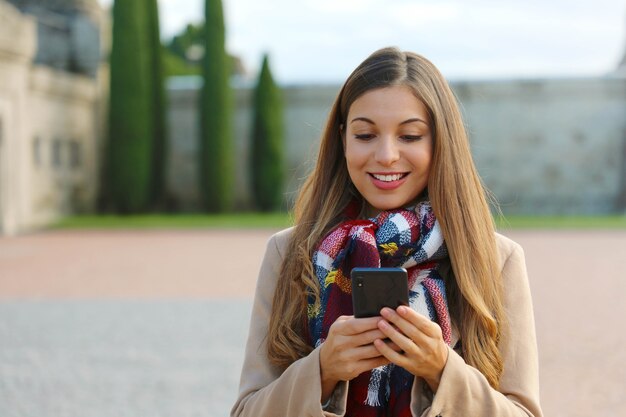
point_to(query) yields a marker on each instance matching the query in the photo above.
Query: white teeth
(387, 178)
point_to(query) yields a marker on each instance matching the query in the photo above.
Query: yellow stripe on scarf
(337, 278)
(389, 248)
(313, 310)
(330, 278)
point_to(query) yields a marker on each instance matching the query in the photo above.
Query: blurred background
(541, 86)
(206, 115)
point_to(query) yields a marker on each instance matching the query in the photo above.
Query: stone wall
(545, 146)
(50, 123)
(61, 144)
(17, 49)
(550, 146)
(68, 33)
(305, 112)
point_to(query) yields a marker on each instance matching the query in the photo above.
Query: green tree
(216, 128)
(129, 155)
(158, 107)
(175, 66)
(267, 159)
(184, 53)
(185, 44)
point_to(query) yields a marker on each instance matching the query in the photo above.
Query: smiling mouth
(389, 177)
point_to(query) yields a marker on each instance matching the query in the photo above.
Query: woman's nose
(387, 151)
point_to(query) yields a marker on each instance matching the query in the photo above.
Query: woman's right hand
(348, 351)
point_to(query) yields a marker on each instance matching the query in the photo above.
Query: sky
(322, 41)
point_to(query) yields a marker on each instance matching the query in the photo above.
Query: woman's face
(388, 147)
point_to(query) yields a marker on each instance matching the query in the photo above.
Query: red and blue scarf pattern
(410, 238)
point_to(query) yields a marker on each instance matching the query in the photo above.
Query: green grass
(282, 220)
(561, 222)
(178, 221)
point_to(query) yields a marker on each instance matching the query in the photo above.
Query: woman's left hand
(424, 352)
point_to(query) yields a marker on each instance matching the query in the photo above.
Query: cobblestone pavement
(96, 324)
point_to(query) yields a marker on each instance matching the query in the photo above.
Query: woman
(394, 185)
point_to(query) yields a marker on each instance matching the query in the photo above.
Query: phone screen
(375, 288)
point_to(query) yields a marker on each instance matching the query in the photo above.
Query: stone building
(51, 90)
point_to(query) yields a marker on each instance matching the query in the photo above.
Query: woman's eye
(411, 138)
(364, 136)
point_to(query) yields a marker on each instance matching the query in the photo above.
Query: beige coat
(265, 391)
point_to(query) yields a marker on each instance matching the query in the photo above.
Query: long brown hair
(457, 197)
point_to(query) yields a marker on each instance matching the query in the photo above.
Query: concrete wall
(553, 146)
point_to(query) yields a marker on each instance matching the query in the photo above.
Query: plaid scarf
(409, 238)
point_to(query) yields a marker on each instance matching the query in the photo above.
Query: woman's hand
(424, 352)
(348, 351)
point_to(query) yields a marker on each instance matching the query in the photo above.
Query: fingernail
(402, 309)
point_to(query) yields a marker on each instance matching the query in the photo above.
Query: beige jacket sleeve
(463, 390)
(263, 390)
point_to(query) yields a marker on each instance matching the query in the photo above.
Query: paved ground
(153, 323)
(118, 358)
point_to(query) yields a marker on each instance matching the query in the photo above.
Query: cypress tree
(267, 170)
(158, 112)
(130, 129)
(216, 136)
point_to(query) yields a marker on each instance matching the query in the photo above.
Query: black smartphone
(375, 288)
